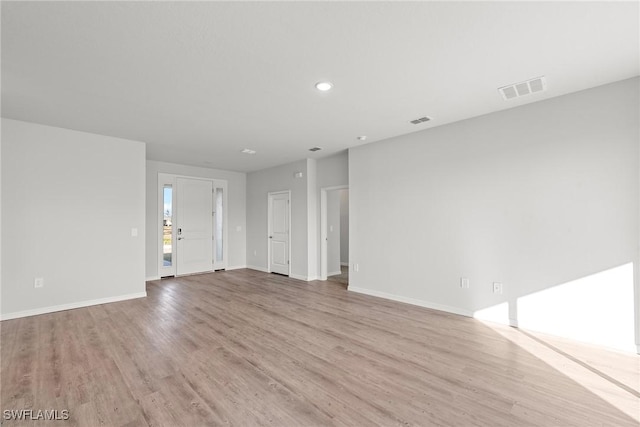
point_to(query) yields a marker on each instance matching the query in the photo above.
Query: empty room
(320, 213)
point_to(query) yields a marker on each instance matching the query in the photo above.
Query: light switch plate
(497, 288)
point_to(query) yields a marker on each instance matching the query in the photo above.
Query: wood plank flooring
(342, 278)
(248, 348)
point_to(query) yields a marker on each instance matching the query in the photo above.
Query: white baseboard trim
(236, 267)
(293, 276)
(149, 279)
(334, 273)
(344, 264)
(413, 301)
(255, 267)
(70, 306)
(304, 278)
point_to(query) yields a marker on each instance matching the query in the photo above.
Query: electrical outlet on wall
(38, 282)
(497, 288)
(464, 282)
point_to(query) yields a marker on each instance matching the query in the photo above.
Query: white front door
(279, 233)
(194, 226)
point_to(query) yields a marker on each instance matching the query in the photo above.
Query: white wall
(344, 227)
(332, 171)
(313, 221)
(0, 215)
(259, 184)
(333, 232)
(533, 197)
(236, 221)
(69, 203)
(1, 125)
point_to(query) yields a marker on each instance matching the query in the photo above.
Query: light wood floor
(249, 348)
(342, 278)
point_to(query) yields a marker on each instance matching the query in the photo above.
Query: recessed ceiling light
(248, 151)
(362, 138)
(324, 86)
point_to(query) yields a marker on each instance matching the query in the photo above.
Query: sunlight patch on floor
(609, 389)
(596, 309)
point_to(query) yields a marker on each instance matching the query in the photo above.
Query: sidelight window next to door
(218, 235)
(167, 226)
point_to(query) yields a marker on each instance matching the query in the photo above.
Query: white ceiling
(200, 81)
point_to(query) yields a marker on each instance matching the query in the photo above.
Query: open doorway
(334, 251)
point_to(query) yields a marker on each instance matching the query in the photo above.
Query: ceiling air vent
(315, 149)
(420, 120)
(527, 87)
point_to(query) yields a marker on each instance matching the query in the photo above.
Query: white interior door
(279, 233)
(194, 226)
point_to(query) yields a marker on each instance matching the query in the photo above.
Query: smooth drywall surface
(259, 184)
(236, 221)
(313, 222)
(344, 227)
(333, 171)
(71, 204)
(333, 232)
(533, 197)
(0, 215)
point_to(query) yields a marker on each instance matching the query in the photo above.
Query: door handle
(271, 237)
(180, 238)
